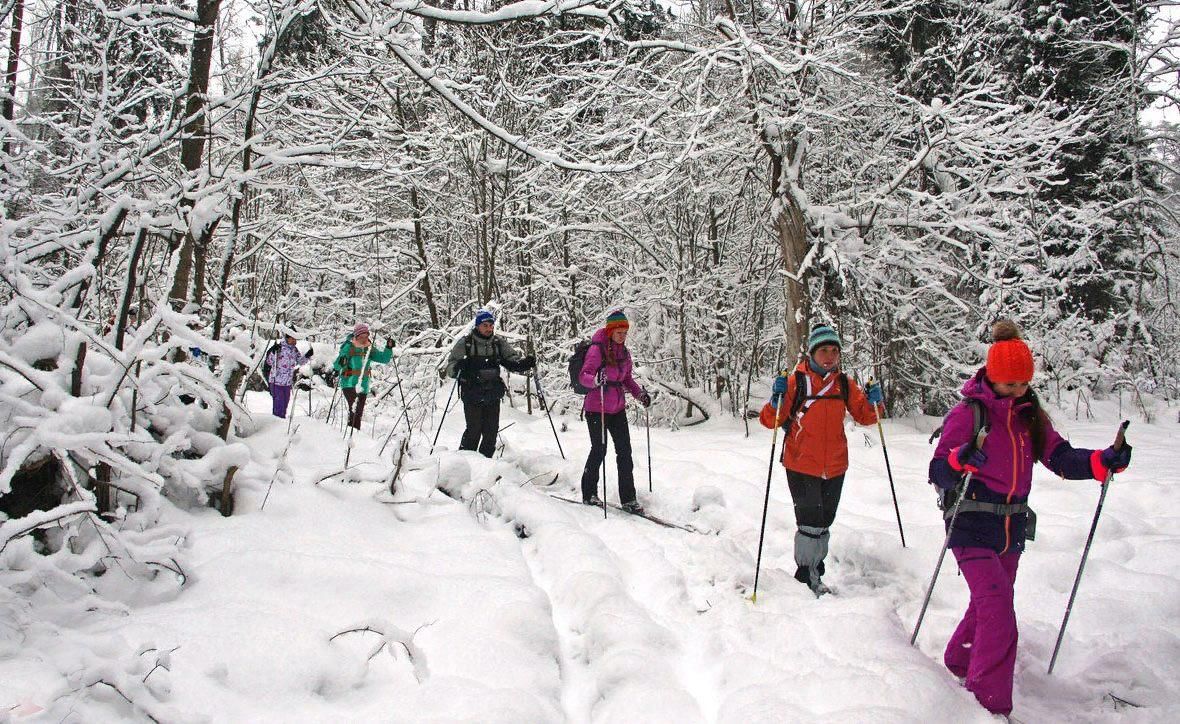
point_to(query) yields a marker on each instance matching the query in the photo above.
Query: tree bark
(791, 231)
(420, 243)
(192, 149)
(227, 495)
(8, 109)
(129, 286)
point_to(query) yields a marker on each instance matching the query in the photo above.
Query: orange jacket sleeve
(858, 405)
(767, 415)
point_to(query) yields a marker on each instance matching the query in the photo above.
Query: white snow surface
(339, 601)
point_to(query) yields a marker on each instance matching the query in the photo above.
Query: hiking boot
(820, 589)
(593, 500)
(633, 507)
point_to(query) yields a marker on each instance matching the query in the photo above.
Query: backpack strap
(469, 347)
(803, 398)
(800, 396)
(978, 417)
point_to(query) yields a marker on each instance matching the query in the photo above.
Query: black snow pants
(616, 425)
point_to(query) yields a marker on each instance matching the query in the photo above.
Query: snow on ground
(494, 602)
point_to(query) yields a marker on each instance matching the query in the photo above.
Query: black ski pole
(950, 528)
(1119, 439)
(409, 428)
(332, 403)
(647, 429)
(602, 400)
(444, 415)
(545, 404)
(888, 469)
(766, 500)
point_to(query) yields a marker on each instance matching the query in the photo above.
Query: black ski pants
(356, 406)
(815, 499)
(483, 423)
(616, 425)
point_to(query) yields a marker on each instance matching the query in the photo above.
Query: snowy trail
(847, 657)
(497, 603)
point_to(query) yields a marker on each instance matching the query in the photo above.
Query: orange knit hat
(1009, 358)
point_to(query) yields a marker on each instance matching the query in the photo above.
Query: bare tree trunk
(791, 229)
(76, 374)
(420, 242)
(792, 237)
(573, 295)
(242, 198)
(8, 107)
(231, 389)
(227, 497)
(102, 489)
(104, 240)
(192, 148)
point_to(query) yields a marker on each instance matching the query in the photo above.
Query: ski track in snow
(509, 606)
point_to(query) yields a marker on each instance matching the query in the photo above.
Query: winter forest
(183, 184)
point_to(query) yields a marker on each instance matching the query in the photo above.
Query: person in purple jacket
(993, 519)
(282, 361)
(607, 373)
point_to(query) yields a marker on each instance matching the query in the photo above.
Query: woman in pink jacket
(607, 373)
(994, 518)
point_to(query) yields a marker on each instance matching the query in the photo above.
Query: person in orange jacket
(811, 405)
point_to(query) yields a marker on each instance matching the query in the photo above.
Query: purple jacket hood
(1008, 446)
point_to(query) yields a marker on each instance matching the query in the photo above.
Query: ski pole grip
(1120, 437)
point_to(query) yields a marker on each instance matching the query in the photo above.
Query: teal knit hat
(821, 335)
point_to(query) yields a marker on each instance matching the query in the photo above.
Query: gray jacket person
(475, 360)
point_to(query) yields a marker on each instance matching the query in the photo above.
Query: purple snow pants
(280, 396)
(983, 647)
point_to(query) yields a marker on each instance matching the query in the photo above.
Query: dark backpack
(577, 360)
(978, 420)
(946, 498)
(266, 364)
(479, 378)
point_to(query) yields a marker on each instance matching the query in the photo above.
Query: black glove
(645, 398)
(389, 343)
(308, 354)
(527, 363)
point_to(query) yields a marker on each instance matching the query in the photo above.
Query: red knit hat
(1009, 359)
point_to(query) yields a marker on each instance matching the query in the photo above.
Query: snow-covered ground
(497, 603)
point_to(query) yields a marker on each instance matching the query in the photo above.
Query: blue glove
(874, 393)
(777, 390)
(967, 457)
(1117, 460)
